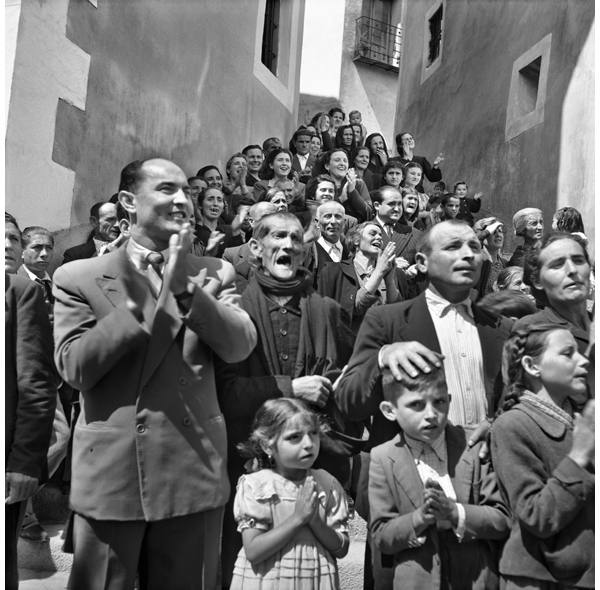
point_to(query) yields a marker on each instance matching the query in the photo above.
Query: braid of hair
(512, 371)
(253, 449)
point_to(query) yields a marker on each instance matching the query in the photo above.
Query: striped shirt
(463, 359)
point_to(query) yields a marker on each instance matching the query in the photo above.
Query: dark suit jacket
(298, 168)
(150, 431)
(359, 391)
(85, 250)
(30, 378)
(405, 238)
(339, 281)
(396, 490)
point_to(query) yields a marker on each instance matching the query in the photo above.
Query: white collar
(328, 246)
(34, 277)
(139, 254)
(439, 305)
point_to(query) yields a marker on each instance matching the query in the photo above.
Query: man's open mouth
(284, 260)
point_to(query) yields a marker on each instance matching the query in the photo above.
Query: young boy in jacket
(433, 505)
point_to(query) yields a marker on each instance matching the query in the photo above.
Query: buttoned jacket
(396, 491)
(150, 442)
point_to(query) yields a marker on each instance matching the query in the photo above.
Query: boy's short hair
(392, 389)
(447, 198)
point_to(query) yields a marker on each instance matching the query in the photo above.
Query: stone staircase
(44, 565)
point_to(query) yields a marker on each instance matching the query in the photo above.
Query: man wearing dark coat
(303, 343)
(105, 229)
(30, 393)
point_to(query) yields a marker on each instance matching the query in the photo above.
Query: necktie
(47, 286)
(154, 274)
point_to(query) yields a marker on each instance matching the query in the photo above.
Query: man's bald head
(330, 207)
(260, 209)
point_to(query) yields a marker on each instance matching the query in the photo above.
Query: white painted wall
(321, 67)
(576, 174)
(47, 66)
(12, 12)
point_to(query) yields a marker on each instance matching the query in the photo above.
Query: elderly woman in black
(379, 152)
(528, 224)
(344, 138)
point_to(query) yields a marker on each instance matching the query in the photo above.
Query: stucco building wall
(364, 87)
(98, 84)
(461, 108)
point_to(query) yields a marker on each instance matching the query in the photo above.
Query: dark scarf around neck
(272, 286)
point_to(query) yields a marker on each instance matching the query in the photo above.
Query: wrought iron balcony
(377, 43)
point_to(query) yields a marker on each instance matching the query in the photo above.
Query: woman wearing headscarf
(528, 224)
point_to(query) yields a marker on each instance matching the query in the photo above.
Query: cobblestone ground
(351, 567)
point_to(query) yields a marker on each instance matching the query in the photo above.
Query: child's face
(355, 119)
(437, 191)
(561, 367)
(451, 208)
(422, 415)
(296, 448)
(393, 177)
(461, 190)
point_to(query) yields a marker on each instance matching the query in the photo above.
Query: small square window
(435, 35)
(433, 39)
(527, 95)
(528, 86)
(270, 40)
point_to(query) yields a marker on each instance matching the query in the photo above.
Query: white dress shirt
(431, 461)
(334, 250)
(139, 257)
(302, 159)
(463, 359)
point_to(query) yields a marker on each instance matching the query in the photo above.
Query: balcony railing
(377, 43)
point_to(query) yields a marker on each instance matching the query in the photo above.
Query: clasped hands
(436, 507)
(175, 273)
(308, 508)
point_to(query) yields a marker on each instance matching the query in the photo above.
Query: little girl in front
(543, 455)
(293, 519)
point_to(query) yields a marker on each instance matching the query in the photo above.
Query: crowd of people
(251, 357)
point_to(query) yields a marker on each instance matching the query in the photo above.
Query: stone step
(45, 556)
(32, 580)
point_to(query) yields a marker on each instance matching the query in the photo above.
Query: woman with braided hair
(543, 455)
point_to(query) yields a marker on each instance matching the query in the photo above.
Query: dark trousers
(180, 553)
(13, 515)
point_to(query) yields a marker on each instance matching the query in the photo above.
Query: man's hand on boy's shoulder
(481, 434)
